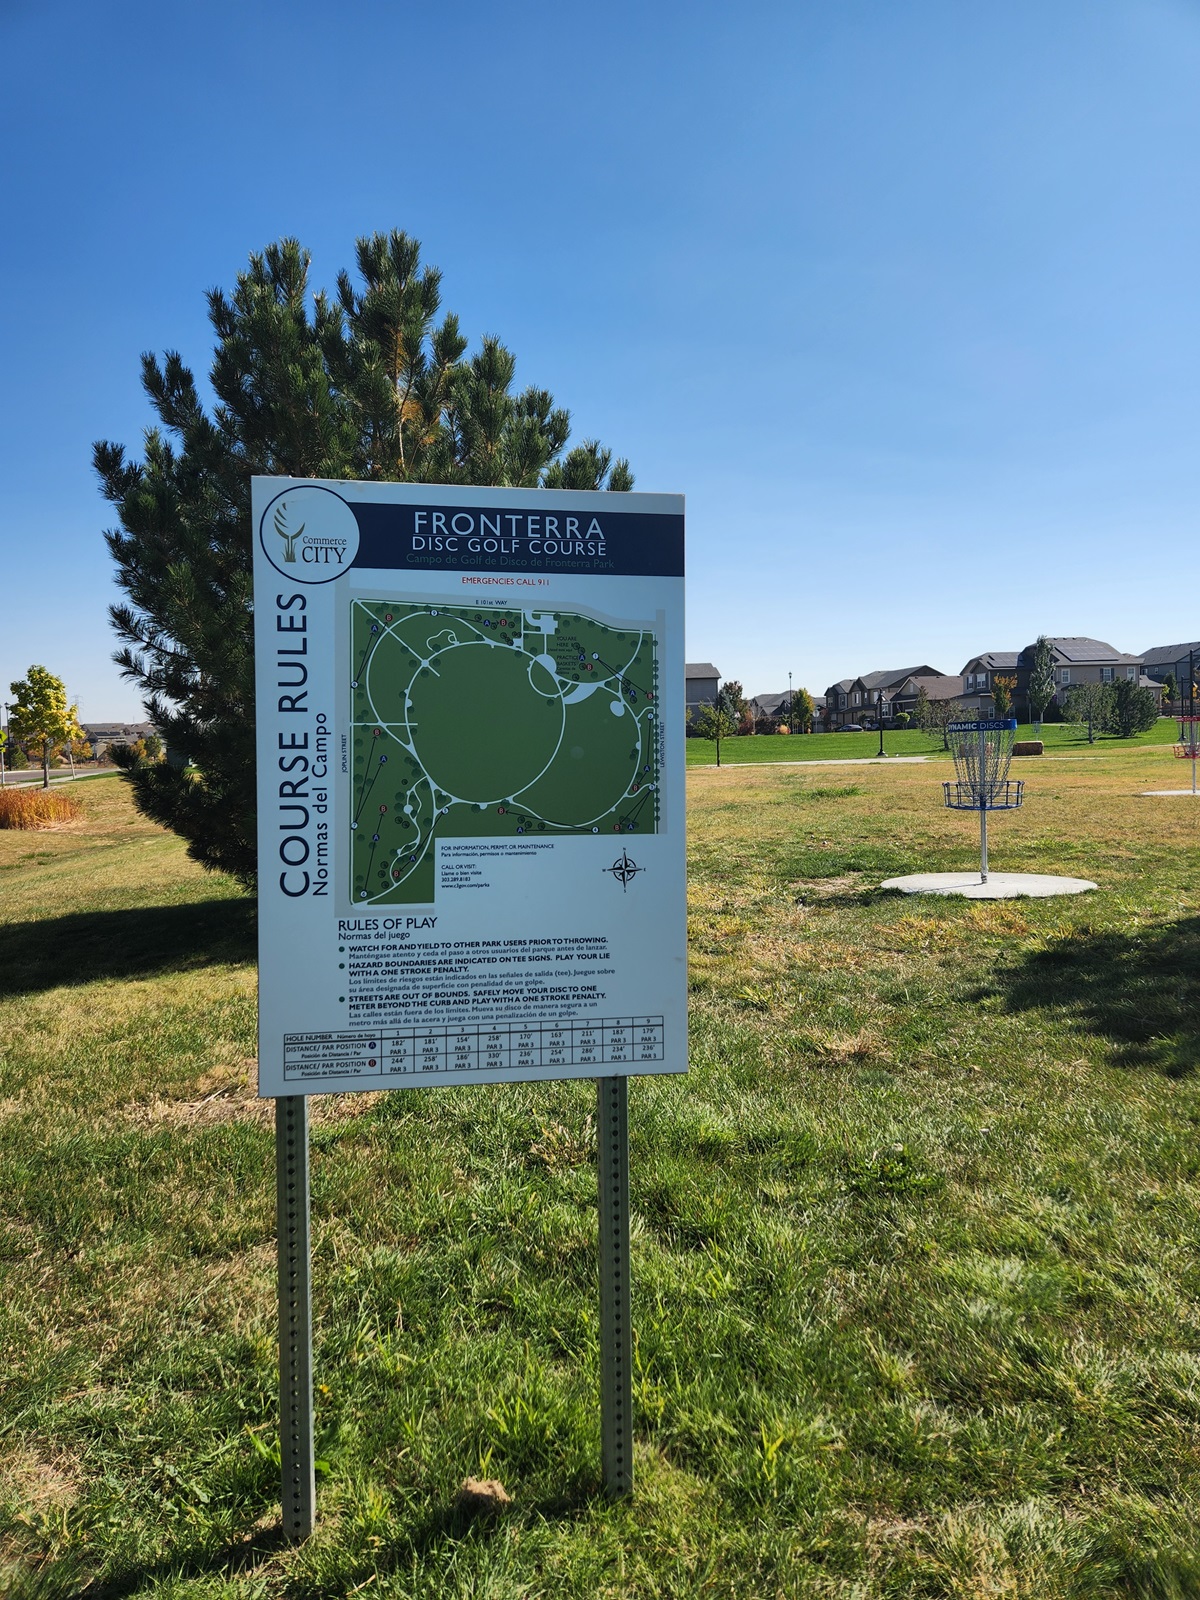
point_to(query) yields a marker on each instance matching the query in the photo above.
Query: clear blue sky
(903, 296)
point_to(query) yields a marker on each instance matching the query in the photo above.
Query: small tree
(1170, 689)
(935, 716)
(1089, 705)
(1041, 679)
(716, 722)
(800, 712)
(1002, 691)
(1132, 709)
(41, 717)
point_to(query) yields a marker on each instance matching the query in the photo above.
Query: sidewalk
(846, 761)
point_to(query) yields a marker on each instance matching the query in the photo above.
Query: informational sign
(470, 712)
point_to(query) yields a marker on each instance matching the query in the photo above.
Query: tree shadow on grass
(137, 943)
(1140, 991)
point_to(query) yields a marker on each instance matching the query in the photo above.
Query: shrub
(37, 808)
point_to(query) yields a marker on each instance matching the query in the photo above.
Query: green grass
(915, 1279)
(1059, 738)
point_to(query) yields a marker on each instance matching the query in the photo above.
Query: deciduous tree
(935, 716)
(40, 715)
(716, 722)
(1002, 692)
(1041, 678)
(1090, 705)
(800, 712)
(372, 381)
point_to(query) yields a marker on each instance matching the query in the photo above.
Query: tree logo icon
(281, 528)
(309, 533)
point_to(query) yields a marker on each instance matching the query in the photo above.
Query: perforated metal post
(616, 1332)
(295, 1317)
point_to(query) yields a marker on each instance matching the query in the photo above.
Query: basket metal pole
(983, 841)
(983, 799)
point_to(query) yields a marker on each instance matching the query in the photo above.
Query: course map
(491, 722)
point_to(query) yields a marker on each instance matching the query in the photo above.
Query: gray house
(703, 680)
(1178, 661)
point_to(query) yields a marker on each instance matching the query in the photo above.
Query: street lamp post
(3, 744)
(879, 715)
(791, 722)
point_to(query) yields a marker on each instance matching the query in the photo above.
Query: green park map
(490, 723)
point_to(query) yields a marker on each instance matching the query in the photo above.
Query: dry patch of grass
(39, 1480)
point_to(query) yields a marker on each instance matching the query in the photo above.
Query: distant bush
(901, 719)
(37, 808)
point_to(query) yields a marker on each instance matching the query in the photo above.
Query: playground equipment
(982, 752)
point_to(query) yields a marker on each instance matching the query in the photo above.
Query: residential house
(102, 735)
(979, 676)
(942, 686)
(702, 682)
(1178, 661)
(777, 705)
(863, 699)
(1076, 660)
(768, 705)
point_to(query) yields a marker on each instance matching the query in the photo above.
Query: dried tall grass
(37, 808)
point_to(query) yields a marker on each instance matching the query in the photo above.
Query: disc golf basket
(982, 752)
(1188, 748)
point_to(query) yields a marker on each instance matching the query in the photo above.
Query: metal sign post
(295, 1317)
(616, 1327)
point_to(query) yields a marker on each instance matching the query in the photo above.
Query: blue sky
(903, 297)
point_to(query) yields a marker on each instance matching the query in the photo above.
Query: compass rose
(623, 870)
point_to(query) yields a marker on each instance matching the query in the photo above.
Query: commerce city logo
(309, 534)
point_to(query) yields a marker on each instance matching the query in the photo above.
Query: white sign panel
(470, 709)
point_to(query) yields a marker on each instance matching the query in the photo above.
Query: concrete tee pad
(1000, 885)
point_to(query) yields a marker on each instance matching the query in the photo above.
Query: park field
(915, 1270)
(1062, 738)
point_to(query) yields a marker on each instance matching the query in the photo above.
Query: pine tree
(41, 716)
(368, 384)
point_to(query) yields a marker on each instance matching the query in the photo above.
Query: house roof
(769, 702)
(993, 660)
(887, 678)
(700, 669)
(938, 685)
(1083, 650)
(1166, 655)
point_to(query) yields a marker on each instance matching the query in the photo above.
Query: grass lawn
(915, 1269)
(1061, 738)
